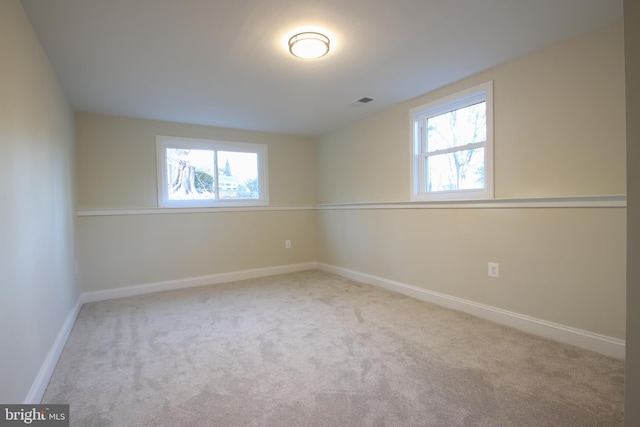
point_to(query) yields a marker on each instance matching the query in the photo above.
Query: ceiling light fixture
(309, 45)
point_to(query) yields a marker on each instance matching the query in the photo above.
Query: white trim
(606, 345)
(608, 201)
(161, 211)
(609, 346)
(190, 282)
(41, 381)
(165, 142)
(419, 116)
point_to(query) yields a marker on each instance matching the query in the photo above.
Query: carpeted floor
(314, 349)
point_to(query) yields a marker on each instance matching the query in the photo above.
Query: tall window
(197, 172)
(453, 146)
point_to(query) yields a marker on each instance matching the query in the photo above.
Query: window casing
(209, 173)
(452, 146)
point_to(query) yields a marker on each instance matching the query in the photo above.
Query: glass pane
(238, 175)
(456, 128)
(190, 174)
(460, 170)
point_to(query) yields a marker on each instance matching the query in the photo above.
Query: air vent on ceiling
(361, 101)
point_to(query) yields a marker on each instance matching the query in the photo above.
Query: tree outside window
(453, 146)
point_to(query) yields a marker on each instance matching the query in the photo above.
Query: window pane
(201, 173)
(460, 170)
(238, 175)
(190, 174)
(456, 128)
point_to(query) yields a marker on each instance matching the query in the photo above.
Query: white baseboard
(599, 343)
(584, 339)
(41, 382)
(190, 282)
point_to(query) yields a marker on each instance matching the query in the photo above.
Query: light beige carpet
(314, 349)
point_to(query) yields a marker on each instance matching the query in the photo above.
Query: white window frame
(419, 115)
(164, 142)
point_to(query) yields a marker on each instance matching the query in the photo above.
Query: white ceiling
(225, 62)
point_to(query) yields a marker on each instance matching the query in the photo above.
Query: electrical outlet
(494, 270)
(287, 244)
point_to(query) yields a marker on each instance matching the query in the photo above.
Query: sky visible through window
(453, 162)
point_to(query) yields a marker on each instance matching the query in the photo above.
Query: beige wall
(559, 131)
(565, 266)
(120, 251)
(632, 61)
(38, 287)
(117, 161)
(117, 169)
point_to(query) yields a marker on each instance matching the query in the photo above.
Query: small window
(197, 172)
(453, 146)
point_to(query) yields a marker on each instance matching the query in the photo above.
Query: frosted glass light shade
(309, 45)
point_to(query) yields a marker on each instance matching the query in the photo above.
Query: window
(453, 146)
(198, 172)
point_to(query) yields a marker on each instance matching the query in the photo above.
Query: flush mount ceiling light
(310, 45)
